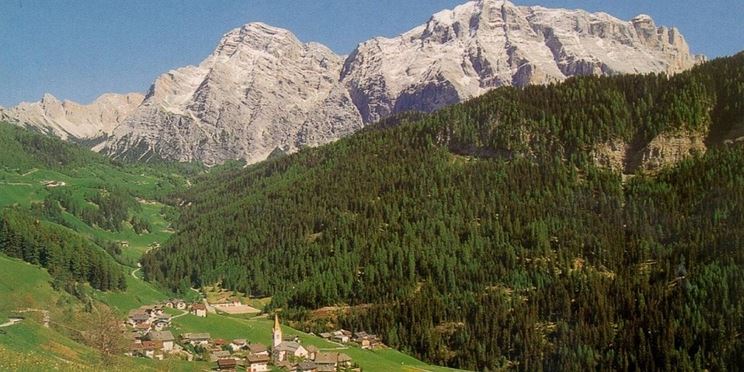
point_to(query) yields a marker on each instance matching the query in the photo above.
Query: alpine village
(492, 185)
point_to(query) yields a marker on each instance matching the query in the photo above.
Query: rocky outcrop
(612, 155)
(662, 151)
(668, 149)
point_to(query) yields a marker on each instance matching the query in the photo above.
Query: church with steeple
(284, 350)
(277, 331)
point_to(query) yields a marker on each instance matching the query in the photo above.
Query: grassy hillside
(35, 169)
(31, 180)
(32, 169)
(58, 198)
(487, 235)
(29, 346)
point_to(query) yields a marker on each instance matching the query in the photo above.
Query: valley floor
(29, 346)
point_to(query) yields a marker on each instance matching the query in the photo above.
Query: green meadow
(31, 168)
(259, 329)
(21, 188)
(29, 346)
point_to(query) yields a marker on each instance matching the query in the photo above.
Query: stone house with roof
(257, 363)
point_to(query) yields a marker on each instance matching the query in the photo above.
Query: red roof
(199, 307)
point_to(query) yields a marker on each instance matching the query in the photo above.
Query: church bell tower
(277, 331)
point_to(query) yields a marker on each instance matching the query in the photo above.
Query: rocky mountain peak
(49, 99)
(461, 53)
(263, 89)
(256, 36)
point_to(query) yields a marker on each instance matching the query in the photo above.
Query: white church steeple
(277, 331)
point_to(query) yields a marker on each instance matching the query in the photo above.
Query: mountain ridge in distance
(263, 89)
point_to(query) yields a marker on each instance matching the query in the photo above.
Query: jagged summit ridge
(462, 53)
(262, 89)
(73, 121)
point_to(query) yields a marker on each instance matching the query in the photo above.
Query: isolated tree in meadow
(103, 331)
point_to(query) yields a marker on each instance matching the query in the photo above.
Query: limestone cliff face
(664, 150)
(73, 121)
(668, 149)
(462, 53)
(263, 90)
(612, 155)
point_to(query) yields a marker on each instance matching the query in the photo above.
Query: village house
(164, 337)
(228, 364)
(152, 311)
(175, 303)
(342, 336)
(332, 361)
(257, 363)
(199, 310)
(306, 366)
(289, 349)
(135, 350)
(147, 349)
(312, 351)
(162, 322)
(138, 317)
(238, 344)
(258, 349)
(366, 340)
(217, 355)
(200, 339)
(142, 328)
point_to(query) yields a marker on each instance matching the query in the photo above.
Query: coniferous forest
(69, 257)
(486, 235)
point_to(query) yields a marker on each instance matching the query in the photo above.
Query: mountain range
(262, 90)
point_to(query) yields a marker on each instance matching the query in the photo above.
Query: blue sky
(79, 49)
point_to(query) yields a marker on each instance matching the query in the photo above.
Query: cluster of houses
(291, 355)
(231, 355)
(363, 339)
(148, 318)
(198, 309)
(153, 344)
(148, 335)
(150, 338)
